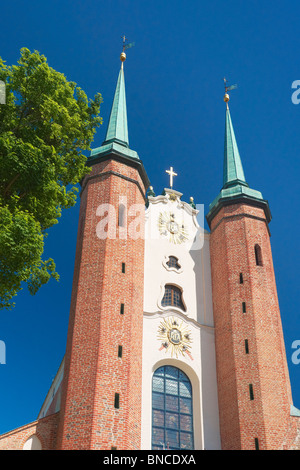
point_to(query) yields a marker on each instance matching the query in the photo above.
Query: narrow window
(246, 346)
(120, 351)
(117, 400)
(258, 255)
(244, 307)
(123, 267)
(122, 309)
(251, 392)
(121, 218)
(241, 278)
(256, 443)
(172, 297)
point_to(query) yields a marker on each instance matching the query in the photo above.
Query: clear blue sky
(176, 117)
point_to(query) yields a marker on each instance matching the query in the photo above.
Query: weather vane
(126, 45)
(227, 89)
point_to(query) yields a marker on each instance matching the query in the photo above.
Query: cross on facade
(171, 173)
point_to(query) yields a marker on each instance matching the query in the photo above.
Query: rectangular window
(256, 442)
(113, 448)
(120, 351)
(246, 346)
(251, 392)
(241, 278)
(117, 400)
(122, 309)
(123, 267)
(244, 307)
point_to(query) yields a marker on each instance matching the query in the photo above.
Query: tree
(45, 126)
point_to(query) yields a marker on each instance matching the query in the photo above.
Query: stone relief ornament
(175, 337)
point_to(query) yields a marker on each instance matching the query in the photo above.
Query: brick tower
(101, 397)
(253, 382)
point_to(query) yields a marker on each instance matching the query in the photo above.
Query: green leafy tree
(46, 124)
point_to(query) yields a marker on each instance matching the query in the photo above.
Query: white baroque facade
(178, 331)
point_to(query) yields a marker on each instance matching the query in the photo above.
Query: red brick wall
(292, 440)
(93, 370)
(45, 429)
(234, 232)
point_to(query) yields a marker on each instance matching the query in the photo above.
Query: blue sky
(176, 117)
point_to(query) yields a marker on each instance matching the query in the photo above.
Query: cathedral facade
(194, 361)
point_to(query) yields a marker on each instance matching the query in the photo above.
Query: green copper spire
(116, 144)
(116, 139)
(117, 130)
(235, 188)
(233, 172)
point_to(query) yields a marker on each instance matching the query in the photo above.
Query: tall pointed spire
(116, 140)
(235, 188)
(233, 172)
(117, 130)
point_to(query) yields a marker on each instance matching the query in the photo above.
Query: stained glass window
(172, 410)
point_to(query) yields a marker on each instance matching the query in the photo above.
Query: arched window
(32, 443)
(172, 410)
(172, 297)
(258, 255)
(173, 262)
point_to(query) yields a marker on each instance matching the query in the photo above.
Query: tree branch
(11, 183)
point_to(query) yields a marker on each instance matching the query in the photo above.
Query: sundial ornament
(169, 227)
(175, 337)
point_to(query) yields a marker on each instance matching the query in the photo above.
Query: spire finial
(125, 47)
(227, 89)
(123, 55)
